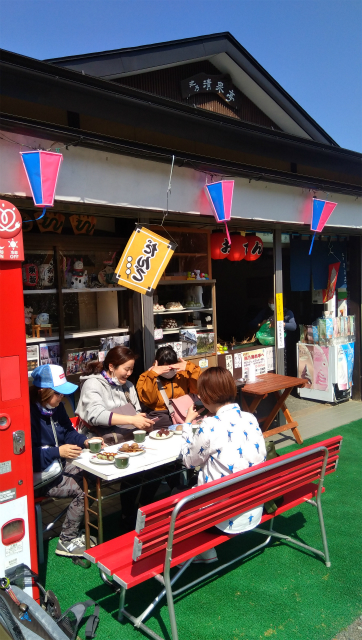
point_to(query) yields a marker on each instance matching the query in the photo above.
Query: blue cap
(52, 376)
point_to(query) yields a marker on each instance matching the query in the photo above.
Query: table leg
(291, 424)
(86, 510)
(289, 419)
(253, 405)
(99, 510)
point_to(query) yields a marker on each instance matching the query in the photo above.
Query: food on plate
(174, 305)
(189, 324)
(130, 448)
(192, 305)
(169, 323)
(103, 455)
(179, 427)
(162, 433)
(158, 307)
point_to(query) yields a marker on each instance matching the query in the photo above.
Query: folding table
(157, 454)
(281, 387)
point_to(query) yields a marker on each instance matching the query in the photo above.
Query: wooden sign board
(144, 260)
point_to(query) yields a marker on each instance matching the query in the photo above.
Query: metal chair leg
(39, 533)
(122, 598)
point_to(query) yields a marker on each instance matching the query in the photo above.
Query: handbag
(53, 471)
(177, 407)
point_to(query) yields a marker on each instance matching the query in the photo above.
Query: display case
(74, 310)
(183, 309)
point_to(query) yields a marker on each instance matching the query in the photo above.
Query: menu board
(257, 357)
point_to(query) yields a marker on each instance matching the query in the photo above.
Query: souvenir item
(42, 318)
(30, 275)
(28, 312)
(79, 277)
(106, 277)
(46, 274)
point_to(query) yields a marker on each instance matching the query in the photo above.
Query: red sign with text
(11, 240)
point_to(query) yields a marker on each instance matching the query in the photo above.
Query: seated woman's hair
(40, 395)
(216, 386)
(116, 357)
(165, 356)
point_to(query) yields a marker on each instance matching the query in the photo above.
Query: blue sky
(313, 48)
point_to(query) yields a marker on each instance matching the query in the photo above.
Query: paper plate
(153, 435)
(133, 453)
(96, 460)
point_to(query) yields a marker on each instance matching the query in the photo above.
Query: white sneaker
(207, 557)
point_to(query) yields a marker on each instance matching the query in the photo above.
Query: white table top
(158, 452)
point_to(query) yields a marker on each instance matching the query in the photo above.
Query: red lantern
(254, 248)
(238, 248)
(220, 246)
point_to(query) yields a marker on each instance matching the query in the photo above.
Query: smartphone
(198, 404)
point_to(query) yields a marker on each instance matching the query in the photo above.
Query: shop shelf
(99, 332)
(31, 292)
(53, 338)
(189, 282)
(156, 313)
(94, 290)
(166, 331)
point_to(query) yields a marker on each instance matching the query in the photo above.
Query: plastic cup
(139, 435)
(95, 445)
(121, 460)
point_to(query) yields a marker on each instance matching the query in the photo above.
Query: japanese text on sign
(144, 260)
(219, 85)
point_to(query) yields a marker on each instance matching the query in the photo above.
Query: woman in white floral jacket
(224, 443)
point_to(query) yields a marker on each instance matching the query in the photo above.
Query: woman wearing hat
(54, 438)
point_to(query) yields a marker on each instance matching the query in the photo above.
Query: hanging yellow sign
(144, 260)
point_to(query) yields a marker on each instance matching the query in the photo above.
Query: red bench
(176, 529)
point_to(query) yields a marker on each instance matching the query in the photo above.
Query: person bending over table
(226, 442)
(176, 377)
(104, 388)
(53, 438)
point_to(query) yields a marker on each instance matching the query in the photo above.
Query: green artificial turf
(282, 593)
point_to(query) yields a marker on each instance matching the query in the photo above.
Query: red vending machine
(17, 516)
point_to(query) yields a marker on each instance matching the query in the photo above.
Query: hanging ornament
(42, 170)
(254, 248)
(322, 209)
(239, 247)
(219, 245)
(220, 195)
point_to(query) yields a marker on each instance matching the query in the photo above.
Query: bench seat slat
(238, 501)
(271, 489)
(130, 574)
(159, 509)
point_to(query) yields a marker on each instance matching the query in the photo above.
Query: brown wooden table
(281, 387)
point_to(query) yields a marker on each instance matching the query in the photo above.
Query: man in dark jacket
(54, 438)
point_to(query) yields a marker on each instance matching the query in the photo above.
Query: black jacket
(43, 443)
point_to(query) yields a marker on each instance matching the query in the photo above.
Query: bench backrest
(181, 516)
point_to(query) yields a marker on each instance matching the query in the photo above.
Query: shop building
(205, 109)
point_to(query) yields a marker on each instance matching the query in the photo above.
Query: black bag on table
(23, 618)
